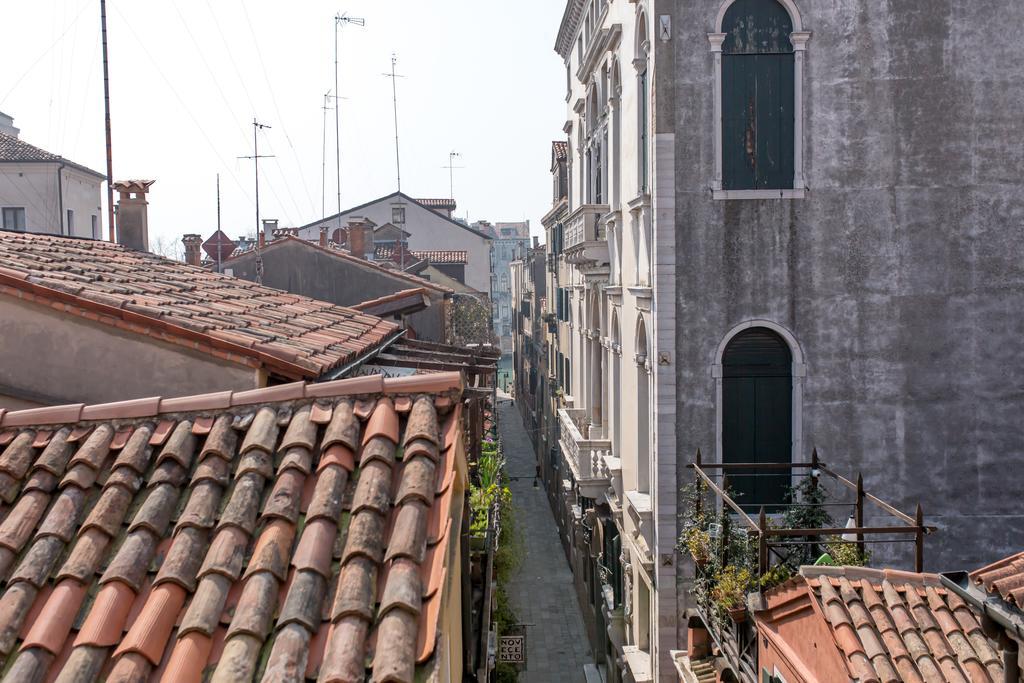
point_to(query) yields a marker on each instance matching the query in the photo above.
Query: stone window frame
(799, 38)
(798, 374)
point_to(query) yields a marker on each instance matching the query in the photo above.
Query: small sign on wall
(512, 646)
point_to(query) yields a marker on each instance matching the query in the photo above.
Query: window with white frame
(758, 48)
(643, 94)
(14, 218)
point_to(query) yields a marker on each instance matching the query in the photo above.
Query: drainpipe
(1013, 627)
(60, 196)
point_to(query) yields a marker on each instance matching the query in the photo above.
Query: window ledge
(758, 194)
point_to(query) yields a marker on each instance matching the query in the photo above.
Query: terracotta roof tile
(263, 564)
(143, 293)
(1004, 578)
(894, 626)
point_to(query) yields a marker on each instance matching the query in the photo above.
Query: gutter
(960, 584)
(340, 372)
(60, 198)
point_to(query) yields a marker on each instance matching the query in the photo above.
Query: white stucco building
(44, 192)
(610, 301)
(428, 228)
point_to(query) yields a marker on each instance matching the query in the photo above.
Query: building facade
(43, 192)
(786, 226)
(511, 240)
(612, 312)
(529, 339)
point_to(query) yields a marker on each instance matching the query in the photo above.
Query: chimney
(193, 249)
(7, 125)
(357, 242)
(536, 242)
(132, 217)
(323, 235)
(269, 226)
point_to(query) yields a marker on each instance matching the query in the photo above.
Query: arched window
(757, 414)
(643, 94)
(614, 359)
(643, 408)
(759, 50)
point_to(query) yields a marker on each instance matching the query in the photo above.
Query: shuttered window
(757, 97)
(757, 411)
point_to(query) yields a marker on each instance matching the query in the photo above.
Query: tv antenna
(340, 20)
(451, 173)
(256, 156)
(323, 157)
(394, 99)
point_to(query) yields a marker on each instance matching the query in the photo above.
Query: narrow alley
(542, 592)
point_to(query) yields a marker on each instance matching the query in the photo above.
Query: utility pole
(394, 99)
(451, 173)
(339, 21)
(256, 156)
(106, 110)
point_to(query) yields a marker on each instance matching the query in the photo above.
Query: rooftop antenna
(451, 173)
(394, 99)
(323, 158)
(256, 156)
(218, 222)
(339, 21)
(106, 113)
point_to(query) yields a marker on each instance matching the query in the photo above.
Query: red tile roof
(406, 301)
(1004, 578)
(293, 336)
(438, 203)
(560, 148)
(383, 252)
(894, 626)
(16, 150)
(298, 531)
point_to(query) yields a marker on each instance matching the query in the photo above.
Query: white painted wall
(34, 187)
(429, 230)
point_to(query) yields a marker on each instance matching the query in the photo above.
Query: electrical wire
(277, 109)
(184, 106)
(43, 54)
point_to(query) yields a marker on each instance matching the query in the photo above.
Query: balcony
(586, 457)
(584, 236)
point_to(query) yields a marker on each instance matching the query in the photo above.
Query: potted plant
(730, 591)
(698, 542)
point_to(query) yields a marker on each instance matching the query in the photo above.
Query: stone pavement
(542, 592)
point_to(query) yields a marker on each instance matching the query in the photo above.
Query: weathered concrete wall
(900, 274)
(53, 358)
(308, 271)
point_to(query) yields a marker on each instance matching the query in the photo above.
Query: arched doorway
(757, 414)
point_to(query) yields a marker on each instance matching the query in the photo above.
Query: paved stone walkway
(542, 592)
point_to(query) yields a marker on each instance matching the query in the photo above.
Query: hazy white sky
(187, 77)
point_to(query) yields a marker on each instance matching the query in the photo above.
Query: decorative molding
(799, 38)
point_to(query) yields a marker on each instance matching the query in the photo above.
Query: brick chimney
(323, 235)
(132, 215)
(360, 241)
(193, 249)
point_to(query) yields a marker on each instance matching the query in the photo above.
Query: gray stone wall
(900, 274)
(309, 271)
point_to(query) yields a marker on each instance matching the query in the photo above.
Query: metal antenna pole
(106, 108)
(451, 173)
(394, 99)
(339, 21)
(218, 223)
(256, 156)
(323, 160)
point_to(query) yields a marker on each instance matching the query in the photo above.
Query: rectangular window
(14, 218)
(644, 129)
(95, 227)
(398, 215)
(71, 221)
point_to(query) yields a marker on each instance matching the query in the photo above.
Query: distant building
(43, 192)
(511, 240)
(529, 342)
(330, 274)
(427, 226)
